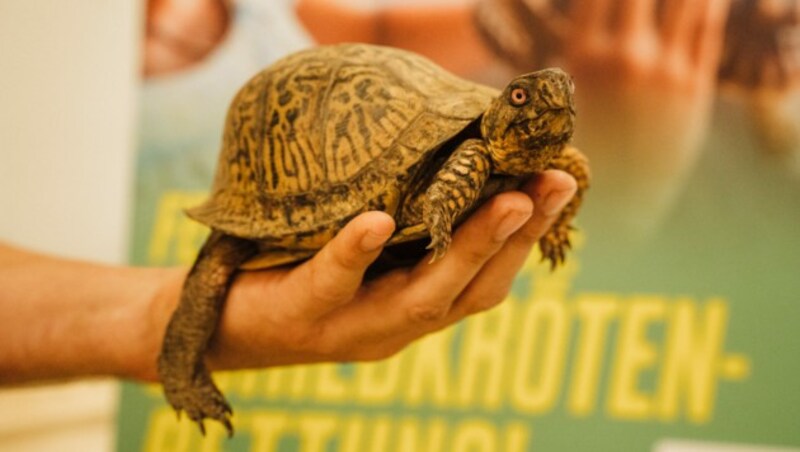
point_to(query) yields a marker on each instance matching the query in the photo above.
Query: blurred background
(110, 118)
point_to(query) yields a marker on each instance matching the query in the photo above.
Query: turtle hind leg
(187, 382)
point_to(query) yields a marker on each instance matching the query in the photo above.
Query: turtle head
(530, 122)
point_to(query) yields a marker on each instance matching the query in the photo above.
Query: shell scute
(327, 133)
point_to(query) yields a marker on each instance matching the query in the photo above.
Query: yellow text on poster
(639, 357)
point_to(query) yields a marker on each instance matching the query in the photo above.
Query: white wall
(67, 97)
(68, 73)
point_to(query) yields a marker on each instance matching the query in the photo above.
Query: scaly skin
(187, 382)
(454, 189)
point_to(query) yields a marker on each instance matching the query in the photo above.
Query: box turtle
(327, 133)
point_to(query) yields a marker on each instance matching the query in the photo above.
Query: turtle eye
(519, 96)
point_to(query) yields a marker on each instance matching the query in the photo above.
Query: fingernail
(372, 240)
(555, 201)
(510, 224)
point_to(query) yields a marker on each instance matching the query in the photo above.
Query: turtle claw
(200, 399)
(439, 244)
(554, 246)
(439, 225)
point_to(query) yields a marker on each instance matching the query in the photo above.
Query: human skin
(646, 73)
(65, 319)
(444, 33)
(181, 33)
(648, 88)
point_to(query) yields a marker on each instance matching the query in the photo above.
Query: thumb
(332, 277)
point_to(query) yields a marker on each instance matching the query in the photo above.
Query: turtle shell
(330, 132)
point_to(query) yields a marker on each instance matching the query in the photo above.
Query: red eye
(519, 96)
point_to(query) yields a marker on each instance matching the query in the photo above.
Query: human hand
(645, 72)
(646, 76)
(322, 311)
(762, 46)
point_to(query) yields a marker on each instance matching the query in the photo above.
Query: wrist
(149, 321)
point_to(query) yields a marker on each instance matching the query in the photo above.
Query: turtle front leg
(187, 382)
(455, 188)
(555, 242)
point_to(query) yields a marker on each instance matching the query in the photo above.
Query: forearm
(64, 319)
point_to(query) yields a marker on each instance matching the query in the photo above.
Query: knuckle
(426, 313)
(325, 294)
(308, 338)
(530, 235)
(477, 256)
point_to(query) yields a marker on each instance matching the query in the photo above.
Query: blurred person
(648, 73)
(760, 60)
(645, 84)
(196, 55)
(180, 33)
(649, 80)
(759, 56)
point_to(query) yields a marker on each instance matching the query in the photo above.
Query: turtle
(327, 133)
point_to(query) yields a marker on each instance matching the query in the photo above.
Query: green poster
(683, 339)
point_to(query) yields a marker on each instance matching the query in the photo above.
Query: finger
(679, 22)
(636, 16)
(710, 40)
(408, 303)
(591, 16)
(333, 276)
(435, 286)
(551, 191)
